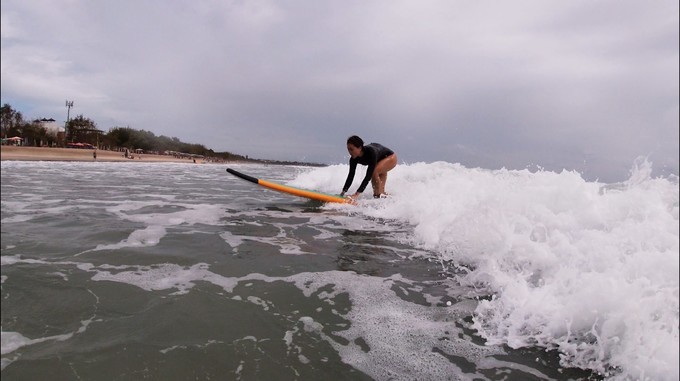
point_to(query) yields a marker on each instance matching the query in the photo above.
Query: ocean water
(130, 271)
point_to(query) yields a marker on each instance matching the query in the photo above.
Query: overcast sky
(582, 85)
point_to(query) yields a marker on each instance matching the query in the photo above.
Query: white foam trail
(150, 236)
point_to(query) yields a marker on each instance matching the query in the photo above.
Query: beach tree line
(84, 130)
(147, 141)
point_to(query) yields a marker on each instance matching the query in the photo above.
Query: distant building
(51, 125)
(54, 130)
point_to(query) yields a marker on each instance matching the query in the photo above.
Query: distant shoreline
(23, 153)
(19, 153)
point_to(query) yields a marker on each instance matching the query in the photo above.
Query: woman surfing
(379, 160)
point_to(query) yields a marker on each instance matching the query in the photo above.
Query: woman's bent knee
(390, 162)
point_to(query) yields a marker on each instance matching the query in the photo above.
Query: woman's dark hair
(355, 141)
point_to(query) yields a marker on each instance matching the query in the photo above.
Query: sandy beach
(75, 154)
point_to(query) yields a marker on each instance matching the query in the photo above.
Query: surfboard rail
(291, 190)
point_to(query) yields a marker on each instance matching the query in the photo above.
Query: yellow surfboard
(292, 190)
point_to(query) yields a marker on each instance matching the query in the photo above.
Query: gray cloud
(574, 84)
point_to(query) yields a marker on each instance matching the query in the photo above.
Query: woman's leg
(379, 177)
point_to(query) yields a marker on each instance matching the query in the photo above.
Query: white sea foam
(149, 236)
(590, 269)
(11, 341)
(188, 214)
(156, 223)
(404, 338)
(27, 210)
(161, 277)
(232, 239)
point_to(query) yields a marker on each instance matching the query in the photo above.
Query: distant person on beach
(379, 160)
(94, 155)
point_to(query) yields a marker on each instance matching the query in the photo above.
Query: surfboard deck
(292, 190)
